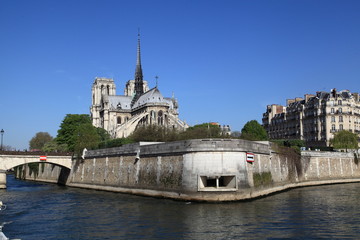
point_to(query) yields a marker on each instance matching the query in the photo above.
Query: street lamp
(2, 134)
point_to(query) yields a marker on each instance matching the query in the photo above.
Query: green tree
(67, 134)
(39, 140)
(253, 131)
(345, 140)
(204, 130)
(117, 142)
(85, 136)
(154, 133)
(103, 134)
(53, 146)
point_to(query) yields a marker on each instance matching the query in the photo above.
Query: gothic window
(340, 118)
(160, 118)
(118, 120)
(108, 89)
(152, 117)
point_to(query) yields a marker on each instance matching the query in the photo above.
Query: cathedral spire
(139, 86)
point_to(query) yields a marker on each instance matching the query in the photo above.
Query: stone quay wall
(204, 170)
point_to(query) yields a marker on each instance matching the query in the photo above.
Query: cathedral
(120, 115)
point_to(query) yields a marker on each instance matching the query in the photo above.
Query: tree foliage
(85, 136)
(77, 132)
(53, 146)
(67, 134)
(117, 142)
(39, 140)
(345, 140)
(103, 134)
(204, 130)
(295, 144)
(154, 133)
(253, 131)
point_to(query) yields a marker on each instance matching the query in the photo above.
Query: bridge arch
(8, 162)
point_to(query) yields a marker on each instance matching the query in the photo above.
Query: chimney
(356, 97)
(308, 96)
(333, 92)
(289, 101)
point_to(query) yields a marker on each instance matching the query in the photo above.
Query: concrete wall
(46, 173)
(205, 170)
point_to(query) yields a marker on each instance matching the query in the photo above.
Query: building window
(118, 120)
(332, 110)
(341, 127)
(340, 118)
(332, 119)
(333, 127)
(340, 110)
(339, 102)
(160, 118)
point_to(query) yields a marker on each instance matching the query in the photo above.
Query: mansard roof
(323, 95)
(345, 94)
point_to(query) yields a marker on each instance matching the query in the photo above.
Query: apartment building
(314, 118)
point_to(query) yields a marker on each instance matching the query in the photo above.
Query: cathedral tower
(101, 89)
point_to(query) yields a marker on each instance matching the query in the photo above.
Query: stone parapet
(182, 147)
(327, 154)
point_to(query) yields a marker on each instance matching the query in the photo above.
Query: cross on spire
(156, 78)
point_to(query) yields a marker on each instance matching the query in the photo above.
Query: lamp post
(2, 134)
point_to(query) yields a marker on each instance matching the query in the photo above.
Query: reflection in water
(45, 211)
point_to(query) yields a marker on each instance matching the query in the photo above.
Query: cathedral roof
(120, 102)
(151, 96)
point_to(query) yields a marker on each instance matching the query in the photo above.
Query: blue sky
(224, 60)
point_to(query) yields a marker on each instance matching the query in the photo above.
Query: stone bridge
(9, 161)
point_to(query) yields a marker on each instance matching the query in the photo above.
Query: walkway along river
(47, 211)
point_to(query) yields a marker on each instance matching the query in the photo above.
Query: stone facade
(314, 118)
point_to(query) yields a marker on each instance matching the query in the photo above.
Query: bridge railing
(35, 153)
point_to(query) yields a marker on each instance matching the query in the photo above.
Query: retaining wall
(205, 170)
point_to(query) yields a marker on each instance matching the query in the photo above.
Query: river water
(47, 211)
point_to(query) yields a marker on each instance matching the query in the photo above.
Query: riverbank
(211, 170)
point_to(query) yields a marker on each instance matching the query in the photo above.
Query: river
(47, 211)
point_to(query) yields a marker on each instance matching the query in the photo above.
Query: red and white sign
(250, 157)
(42, 158)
